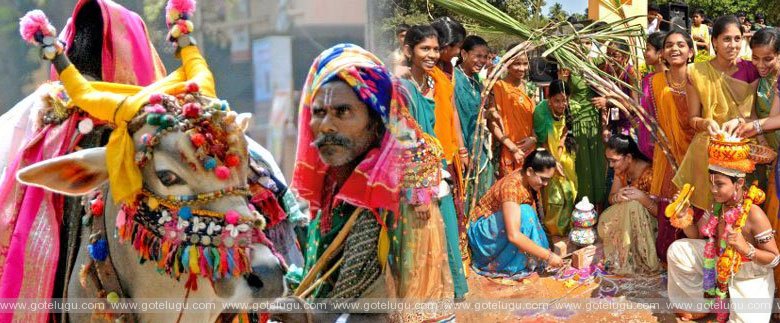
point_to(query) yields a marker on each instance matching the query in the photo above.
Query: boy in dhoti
(730, 252)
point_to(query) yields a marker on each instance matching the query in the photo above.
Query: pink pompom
(35, 21)
(222, 172)
(182, 6)
(231, 217)
(155, 98)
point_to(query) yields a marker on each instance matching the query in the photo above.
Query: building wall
(597, 10)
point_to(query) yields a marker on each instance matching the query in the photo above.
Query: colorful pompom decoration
(34, 26)
(185, 213)
(222, 172)
(232, 216)
(98, 250)
(232, 160)
(180, 7)
(197, 139)
(96, 206)
(191, 110)
(155, 98)
(192, 87)
(210, 163)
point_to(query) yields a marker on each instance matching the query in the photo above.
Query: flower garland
(721, 263)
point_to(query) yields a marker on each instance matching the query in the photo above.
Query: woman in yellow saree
(551, 125)
(628, 228)
(719, 90)
(668, 101)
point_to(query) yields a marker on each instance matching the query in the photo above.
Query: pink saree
(30, 217)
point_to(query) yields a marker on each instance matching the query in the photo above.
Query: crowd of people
(552, 146)
(417, 177)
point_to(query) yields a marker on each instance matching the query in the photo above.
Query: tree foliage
(717, 8)
(557, 13)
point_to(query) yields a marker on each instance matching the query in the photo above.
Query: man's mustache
(332, 139)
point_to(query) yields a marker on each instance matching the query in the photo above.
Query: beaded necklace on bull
(168, 229)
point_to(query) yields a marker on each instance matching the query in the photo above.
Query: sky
(570, 6)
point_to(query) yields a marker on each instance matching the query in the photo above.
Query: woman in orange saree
(513, 117)
(719, 90)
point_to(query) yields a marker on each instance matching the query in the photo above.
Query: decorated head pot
(583, 219)
(584, 214)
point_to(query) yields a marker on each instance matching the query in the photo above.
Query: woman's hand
(746, 130)
(633, 194)
(527, 144)
(518, 155)
(599, 102)
(423, 211)
(713, 129)
(555, 261)
(559, 169)
(731, 126)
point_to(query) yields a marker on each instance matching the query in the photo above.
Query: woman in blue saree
(507, 239)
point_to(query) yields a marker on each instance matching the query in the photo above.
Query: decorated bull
(176, 168)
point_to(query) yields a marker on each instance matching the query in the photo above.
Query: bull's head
(192, 218)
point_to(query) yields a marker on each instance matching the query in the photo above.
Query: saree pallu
(420, 255)
(722, 98)
(591, 164)
(629, 234)
(494, 256)
(517, 114)
(644, 138)
(561, 192)
(671, 112)
(765, 96)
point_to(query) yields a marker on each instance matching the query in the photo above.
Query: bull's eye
(169, 178)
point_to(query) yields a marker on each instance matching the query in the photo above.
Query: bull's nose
(267, 276)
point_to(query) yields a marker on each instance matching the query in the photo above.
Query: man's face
(341, 124)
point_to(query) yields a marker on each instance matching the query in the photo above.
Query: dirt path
(553, 294)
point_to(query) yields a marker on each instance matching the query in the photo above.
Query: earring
(735, 197)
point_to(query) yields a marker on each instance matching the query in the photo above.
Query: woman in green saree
(551, 126)
(473, 57)
(422, 50)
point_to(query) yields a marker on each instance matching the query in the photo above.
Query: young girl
(552, 126)
(655, 63)
(421, 48)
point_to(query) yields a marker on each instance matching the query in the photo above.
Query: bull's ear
(243, 121)
(74, 174)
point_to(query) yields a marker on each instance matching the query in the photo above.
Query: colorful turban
(375, 183)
